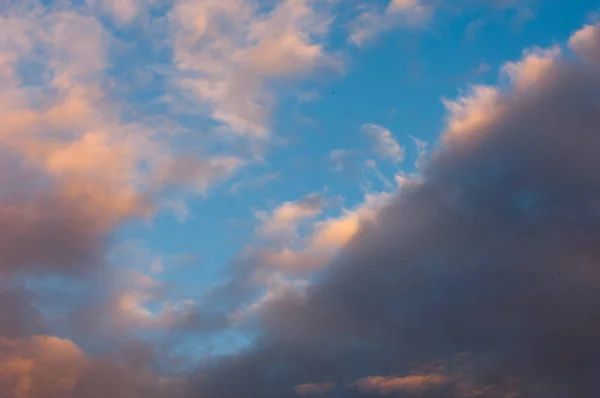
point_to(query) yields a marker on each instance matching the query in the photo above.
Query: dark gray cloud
(494, 255)
(43, 227)
(18, 315)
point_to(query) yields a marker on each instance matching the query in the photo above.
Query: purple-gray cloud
(493, 255)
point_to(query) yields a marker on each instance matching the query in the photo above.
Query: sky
(299, 198)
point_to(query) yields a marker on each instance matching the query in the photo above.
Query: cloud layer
(490, 258)
(475, 278)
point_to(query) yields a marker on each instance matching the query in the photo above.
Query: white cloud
(369, 24)
(231, 51)
(422, 152)
(283, 221)
(385, 144)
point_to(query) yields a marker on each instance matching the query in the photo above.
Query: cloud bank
(476, 279)
(485, 268)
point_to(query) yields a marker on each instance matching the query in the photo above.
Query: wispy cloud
(384, 142)
(372, 22)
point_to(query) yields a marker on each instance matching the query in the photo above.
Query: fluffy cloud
(283, 221)
(335, 232)
(73, 167)
(492, 253)
(535, 66)
(46, 367)
(585, 42)
(231, 51)
(71, 164)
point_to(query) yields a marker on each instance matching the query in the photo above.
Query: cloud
(196, 173)
(41, 366)
(369, 24)
(314, 388)
(269, 275)
(408, 384)
(46, 366)
(284, 220)
(385, 144)
(19, 316)
(69, 162)
(472, 112)
(277, 288)
(491, 253)
(74, 167)
(122, 11)
(340, 158)
(535, 65)
(585, 41)
(256, 182)
(294, 253)
(230, 53)
(334, 233)
(422, 152)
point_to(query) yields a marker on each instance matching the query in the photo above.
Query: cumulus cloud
(71, 164)
(294, 253)
(334, 233)
(74, 168)
(283, 221)
(585, 42)
(535, 65)
(231, 51)
(45, 367)
(491, 253)
(264, 276)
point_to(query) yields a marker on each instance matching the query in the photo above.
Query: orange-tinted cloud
(314, 388)
(50, 367)
(417, 383)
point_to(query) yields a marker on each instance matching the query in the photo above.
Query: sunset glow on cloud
(299, 198)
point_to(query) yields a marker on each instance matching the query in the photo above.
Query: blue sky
(398, 82)
(173, 173)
